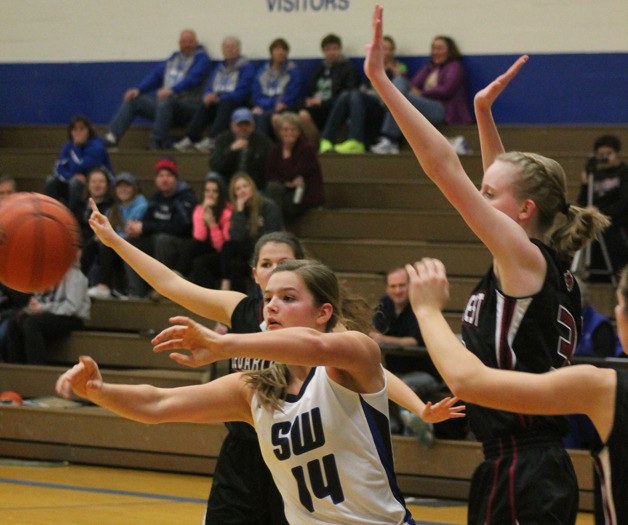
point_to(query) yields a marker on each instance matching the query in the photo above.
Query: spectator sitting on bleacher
(293, 172)
(82, 152)
(241, 148)
(330, 78)
(211, 221)
(396, 324)
(598, 337)
(276, 88)
(48, 318)
(610, 195)
(178, 83)
(229, 86)
(165, 232)
(129, 205)
(253, 216)
(437, 90)
(361, 109)
(98, 188)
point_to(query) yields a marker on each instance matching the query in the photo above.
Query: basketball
(39, 240)
(9, 397)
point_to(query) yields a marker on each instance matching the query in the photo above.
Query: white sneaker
(205, 146)
(460, 145)
(99, 292)
(385, 146)
(185, 144)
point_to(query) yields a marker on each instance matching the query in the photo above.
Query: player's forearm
(403, 395)
(454, 362)
(490, 142)
(136, 402)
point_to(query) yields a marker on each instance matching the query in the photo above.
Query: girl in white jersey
(321, 419)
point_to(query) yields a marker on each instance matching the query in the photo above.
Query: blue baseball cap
(242, 115)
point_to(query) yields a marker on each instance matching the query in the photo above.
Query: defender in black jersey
(600, 393)
(516, 318)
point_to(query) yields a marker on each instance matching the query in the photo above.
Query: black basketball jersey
(530, 334)
(246, 319)
(611, 463)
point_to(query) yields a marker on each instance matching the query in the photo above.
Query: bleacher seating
(381, 212)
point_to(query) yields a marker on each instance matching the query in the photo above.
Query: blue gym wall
(65, 57)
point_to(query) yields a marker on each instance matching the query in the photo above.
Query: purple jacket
(449, 91)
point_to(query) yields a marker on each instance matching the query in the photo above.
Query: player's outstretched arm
(225, 399)
(404, 396)
(490, 141)
(576, 389)
(353, 354)
(217, 305)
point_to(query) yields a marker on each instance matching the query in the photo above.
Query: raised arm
(217, 305)
(352, 358)
(490, 141)
(578, 389)
(505, 239)
(225, 399)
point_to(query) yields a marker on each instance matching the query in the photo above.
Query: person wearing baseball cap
(241, 148)
(165, 231)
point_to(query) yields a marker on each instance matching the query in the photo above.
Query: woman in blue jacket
(82, 152)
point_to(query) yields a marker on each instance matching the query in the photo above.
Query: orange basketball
(9, 397)
(39, 239)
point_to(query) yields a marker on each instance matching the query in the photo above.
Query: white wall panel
(120, 30)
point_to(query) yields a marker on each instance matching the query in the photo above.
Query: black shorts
(524, 481)
(243, 490)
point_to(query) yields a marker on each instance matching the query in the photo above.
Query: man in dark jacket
(241, 148)
(177, 83)
(608, 193)
(165, 232)
(330, 78)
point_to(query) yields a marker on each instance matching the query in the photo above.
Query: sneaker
(99, 292)
(385, 146)
(325, 146)
(185, 144)
(350, 146)
(110, 140)
(415, 426)
(460, 145)
(119, 295)
(205, 146)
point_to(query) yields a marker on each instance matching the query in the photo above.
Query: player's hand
(186, 334)
(484, 98)
(429, 288)
(443, 410)
(374, 61)
(101, 225)
(83, 379)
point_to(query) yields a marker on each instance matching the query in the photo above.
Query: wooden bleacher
(381, 212)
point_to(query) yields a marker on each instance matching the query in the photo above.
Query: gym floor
(53, 493)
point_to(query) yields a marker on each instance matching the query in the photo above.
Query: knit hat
(127, 177)
(166, 163)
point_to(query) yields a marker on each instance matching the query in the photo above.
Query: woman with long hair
(253, 216)
(525, 312)
(211, 221)
(321, 416)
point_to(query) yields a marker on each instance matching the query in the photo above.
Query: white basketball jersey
(330, 453)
